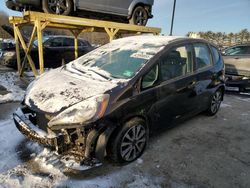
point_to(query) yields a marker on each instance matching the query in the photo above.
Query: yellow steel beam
(17, 50)
(75, 21)
(76, 34)
(40, 45)
(27, 51)
(111, 32)
(19, 35)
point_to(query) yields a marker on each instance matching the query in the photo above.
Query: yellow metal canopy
(76, 25)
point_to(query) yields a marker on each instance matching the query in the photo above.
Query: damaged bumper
(81, 143)
(26, 127)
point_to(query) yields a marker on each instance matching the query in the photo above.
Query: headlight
(86, 111)
(9, 54)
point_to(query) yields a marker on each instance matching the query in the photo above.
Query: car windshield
(119, 59)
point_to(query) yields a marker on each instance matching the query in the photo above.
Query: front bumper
(84, 145)
(25, 126)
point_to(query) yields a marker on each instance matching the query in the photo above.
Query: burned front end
(84, 141)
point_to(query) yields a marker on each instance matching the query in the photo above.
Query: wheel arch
(115, 130)
(73, 1)
(135, 4)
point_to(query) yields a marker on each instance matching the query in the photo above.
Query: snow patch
(224, 105)
(9, 80)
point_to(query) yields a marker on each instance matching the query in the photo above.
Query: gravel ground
(201, 152)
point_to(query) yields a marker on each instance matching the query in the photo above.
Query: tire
(215, 102)
(64, 7)
(139, 16)
(129, 142)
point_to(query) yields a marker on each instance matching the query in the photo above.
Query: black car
(106, 102)
(237, 62)
(57, 50)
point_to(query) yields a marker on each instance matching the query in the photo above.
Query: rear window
(202, 55)
(216, 55)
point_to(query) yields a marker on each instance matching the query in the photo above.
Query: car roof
(161, 40)
(61, 36)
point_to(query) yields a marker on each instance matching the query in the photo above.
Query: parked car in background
(57, 50)
(106, 102)
(135, 11)
(237, 62)
(6, 44)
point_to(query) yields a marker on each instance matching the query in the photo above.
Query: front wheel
(139, 16)
(60, 7)
(215, 102)
(130, 141)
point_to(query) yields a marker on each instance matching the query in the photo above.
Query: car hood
(60, 88)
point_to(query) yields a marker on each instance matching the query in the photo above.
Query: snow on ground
(26, 164)
(9, 80)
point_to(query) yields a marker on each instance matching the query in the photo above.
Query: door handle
(191, 85)
(236, 58)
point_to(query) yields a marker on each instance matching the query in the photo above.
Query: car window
(177, 62)
(68, 42)
(83, 43)
(56, 42)
(238, 50)
(216, 55)
(202, 55)
(150, 78)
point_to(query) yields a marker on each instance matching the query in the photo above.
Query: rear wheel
(60, 7)
(130, 141)
(139, 16)
(215, 102)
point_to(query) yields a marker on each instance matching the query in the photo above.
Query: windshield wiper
(107, 78)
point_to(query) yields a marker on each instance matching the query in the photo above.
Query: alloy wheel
(133, 143)
(216, 101)
(58, 6)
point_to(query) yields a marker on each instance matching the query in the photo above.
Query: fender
(102, 143)
(135, 3)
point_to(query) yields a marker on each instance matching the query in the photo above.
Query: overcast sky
(195, 15)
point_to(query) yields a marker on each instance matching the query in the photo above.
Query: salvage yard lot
(201, 152)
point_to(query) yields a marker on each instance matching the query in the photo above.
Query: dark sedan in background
(237, 62)
(135, 11)
(57, 51)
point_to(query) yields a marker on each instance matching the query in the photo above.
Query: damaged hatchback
(105, 103)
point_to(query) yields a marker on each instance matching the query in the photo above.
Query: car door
(204, 71)
(94, 5)
(53, 52)
(68, 49)
(119, 6)
(176, 96)
(237, 60)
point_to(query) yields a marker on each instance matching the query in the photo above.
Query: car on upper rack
(105, 103)
(57, 50)
(137, 12)
(237, 62)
